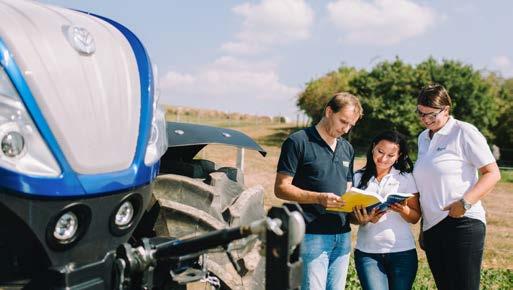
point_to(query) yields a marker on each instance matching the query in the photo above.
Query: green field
(507, 176)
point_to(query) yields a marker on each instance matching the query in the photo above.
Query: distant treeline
(191, 114)
(389, 93)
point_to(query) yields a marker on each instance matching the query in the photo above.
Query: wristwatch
(466, 205)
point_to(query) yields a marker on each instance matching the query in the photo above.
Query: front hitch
(157, 260)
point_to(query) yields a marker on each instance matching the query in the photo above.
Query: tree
(318, 92)
(504, 128)
(389, 91)
(388, 94)
(474, 98)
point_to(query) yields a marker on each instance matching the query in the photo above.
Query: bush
(388, 93)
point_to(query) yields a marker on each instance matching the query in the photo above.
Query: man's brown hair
(343, 99)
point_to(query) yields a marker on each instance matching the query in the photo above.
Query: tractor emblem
(81, 40)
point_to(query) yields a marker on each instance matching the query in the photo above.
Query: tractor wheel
(191, 206)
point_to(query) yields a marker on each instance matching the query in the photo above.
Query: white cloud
(503, 64)
(269, 23)
(231, 84)
(173, 79)
(380, 22)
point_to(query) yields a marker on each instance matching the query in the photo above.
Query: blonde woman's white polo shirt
(391, 233)
(446, 169)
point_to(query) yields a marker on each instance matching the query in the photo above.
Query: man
(315, 169)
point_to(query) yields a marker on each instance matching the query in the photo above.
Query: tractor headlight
(124, 214)
(66, 227)
(157, 143)
(123, 217)
(13, 144)
(22, 148)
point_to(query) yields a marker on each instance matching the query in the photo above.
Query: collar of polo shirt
(393, 171)
(444, 130)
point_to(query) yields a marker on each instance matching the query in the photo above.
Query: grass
(507, 176)
(490, 278)
(497, 270)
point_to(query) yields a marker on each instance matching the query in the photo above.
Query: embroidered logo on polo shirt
(441, 148)
(345, 163)
(393, 183)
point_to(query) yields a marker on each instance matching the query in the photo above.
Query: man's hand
(329, 199)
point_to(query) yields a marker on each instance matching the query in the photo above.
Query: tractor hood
(186, 140)
(84, 78)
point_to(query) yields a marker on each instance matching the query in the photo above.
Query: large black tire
(192, 206)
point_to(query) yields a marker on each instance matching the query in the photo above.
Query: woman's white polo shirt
(446, 169)
(391, 233)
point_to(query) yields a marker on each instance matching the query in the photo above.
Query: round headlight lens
(66, 227)
(13, 144)
(124, 214)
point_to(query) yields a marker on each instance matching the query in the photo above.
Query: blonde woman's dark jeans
(454, 250)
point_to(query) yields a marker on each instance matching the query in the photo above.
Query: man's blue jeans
(325, 261)
(394, 271)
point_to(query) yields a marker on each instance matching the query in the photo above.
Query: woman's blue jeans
(391, 271)
(325, 261)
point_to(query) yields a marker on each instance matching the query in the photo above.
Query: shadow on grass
(278, 135)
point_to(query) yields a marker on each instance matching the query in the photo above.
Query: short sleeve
(356, 178)
(408, 184)
(475, 147)
(289, 157)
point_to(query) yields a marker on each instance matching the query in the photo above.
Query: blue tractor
(83, 140)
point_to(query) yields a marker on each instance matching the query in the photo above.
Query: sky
(255, 57)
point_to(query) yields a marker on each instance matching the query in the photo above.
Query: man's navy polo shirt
(315, 167)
